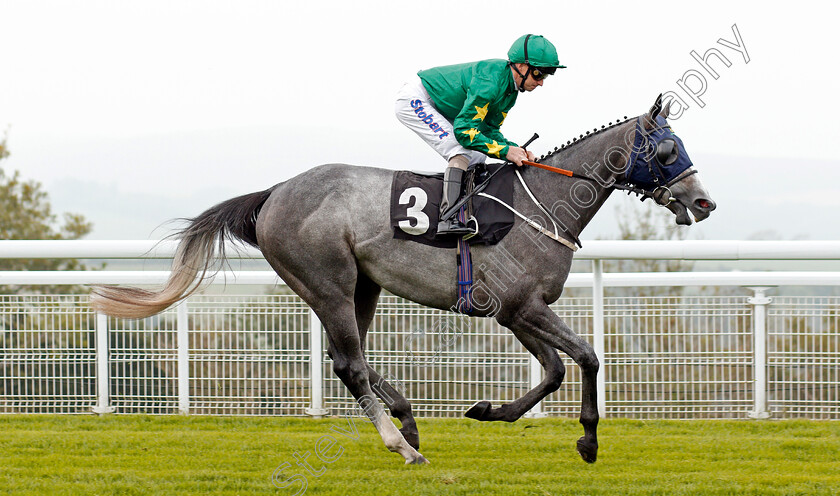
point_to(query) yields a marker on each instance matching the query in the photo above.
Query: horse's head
(660, 165)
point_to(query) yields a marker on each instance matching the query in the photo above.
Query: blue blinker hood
(658, 156)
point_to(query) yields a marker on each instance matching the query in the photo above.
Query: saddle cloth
(415, 207)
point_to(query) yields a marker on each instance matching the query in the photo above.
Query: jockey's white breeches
(414, 108)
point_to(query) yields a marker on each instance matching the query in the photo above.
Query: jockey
(458, 110)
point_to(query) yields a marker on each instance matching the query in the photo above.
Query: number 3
(421, 224)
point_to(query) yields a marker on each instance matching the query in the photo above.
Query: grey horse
(327, 234)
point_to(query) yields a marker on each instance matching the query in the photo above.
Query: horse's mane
(584, 137)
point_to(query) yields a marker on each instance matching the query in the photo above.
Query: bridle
(661, 152)
(658, 154)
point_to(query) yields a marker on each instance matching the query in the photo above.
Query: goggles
(540, 73)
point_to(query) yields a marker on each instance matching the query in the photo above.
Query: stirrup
(473, 233)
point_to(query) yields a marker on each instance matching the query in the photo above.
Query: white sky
(119, 106)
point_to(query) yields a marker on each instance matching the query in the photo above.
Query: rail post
(598, 332)
(316, 368)
(759, 301)
(183, 338)
(103, 367)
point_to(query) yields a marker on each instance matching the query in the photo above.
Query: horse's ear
(666, 110)
(650, 118)
(657, 106)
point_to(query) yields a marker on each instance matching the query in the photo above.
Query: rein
(661, 193)
(620, 186)
(480, 187)
(536, 225)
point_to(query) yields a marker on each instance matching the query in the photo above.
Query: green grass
(223, 455)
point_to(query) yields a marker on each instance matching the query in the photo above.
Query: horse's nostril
(706, 204)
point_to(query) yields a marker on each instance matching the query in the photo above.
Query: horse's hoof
(412, 437)
(479, 410)
(588, 451)
(420, 460)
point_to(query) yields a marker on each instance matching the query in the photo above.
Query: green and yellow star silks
(476, 97)
(494, 148)
(471, 133)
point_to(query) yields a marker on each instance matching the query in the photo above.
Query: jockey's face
(530, 83)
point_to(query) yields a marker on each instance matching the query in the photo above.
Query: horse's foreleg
(555, 371)
(366, 298)
(540, 322)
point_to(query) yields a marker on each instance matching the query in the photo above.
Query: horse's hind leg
(399, 406)
(350, 366)
(366, 298)
(330, 294)
(555, 371)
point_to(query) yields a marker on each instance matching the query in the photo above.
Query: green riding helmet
(536, 51)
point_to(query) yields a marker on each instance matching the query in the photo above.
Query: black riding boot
(451, 192)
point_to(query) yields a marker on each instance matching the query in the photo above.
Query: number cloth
(415, 208)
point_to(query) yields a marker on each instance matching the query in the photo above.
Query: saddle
(415, 206)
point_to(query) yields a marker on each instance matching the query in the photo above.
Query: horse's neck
(575, 201)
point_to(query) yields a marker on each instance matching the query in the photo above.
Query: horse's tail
(202, 243)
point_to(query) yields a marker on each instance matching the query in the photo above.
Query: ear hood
(645, 168)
